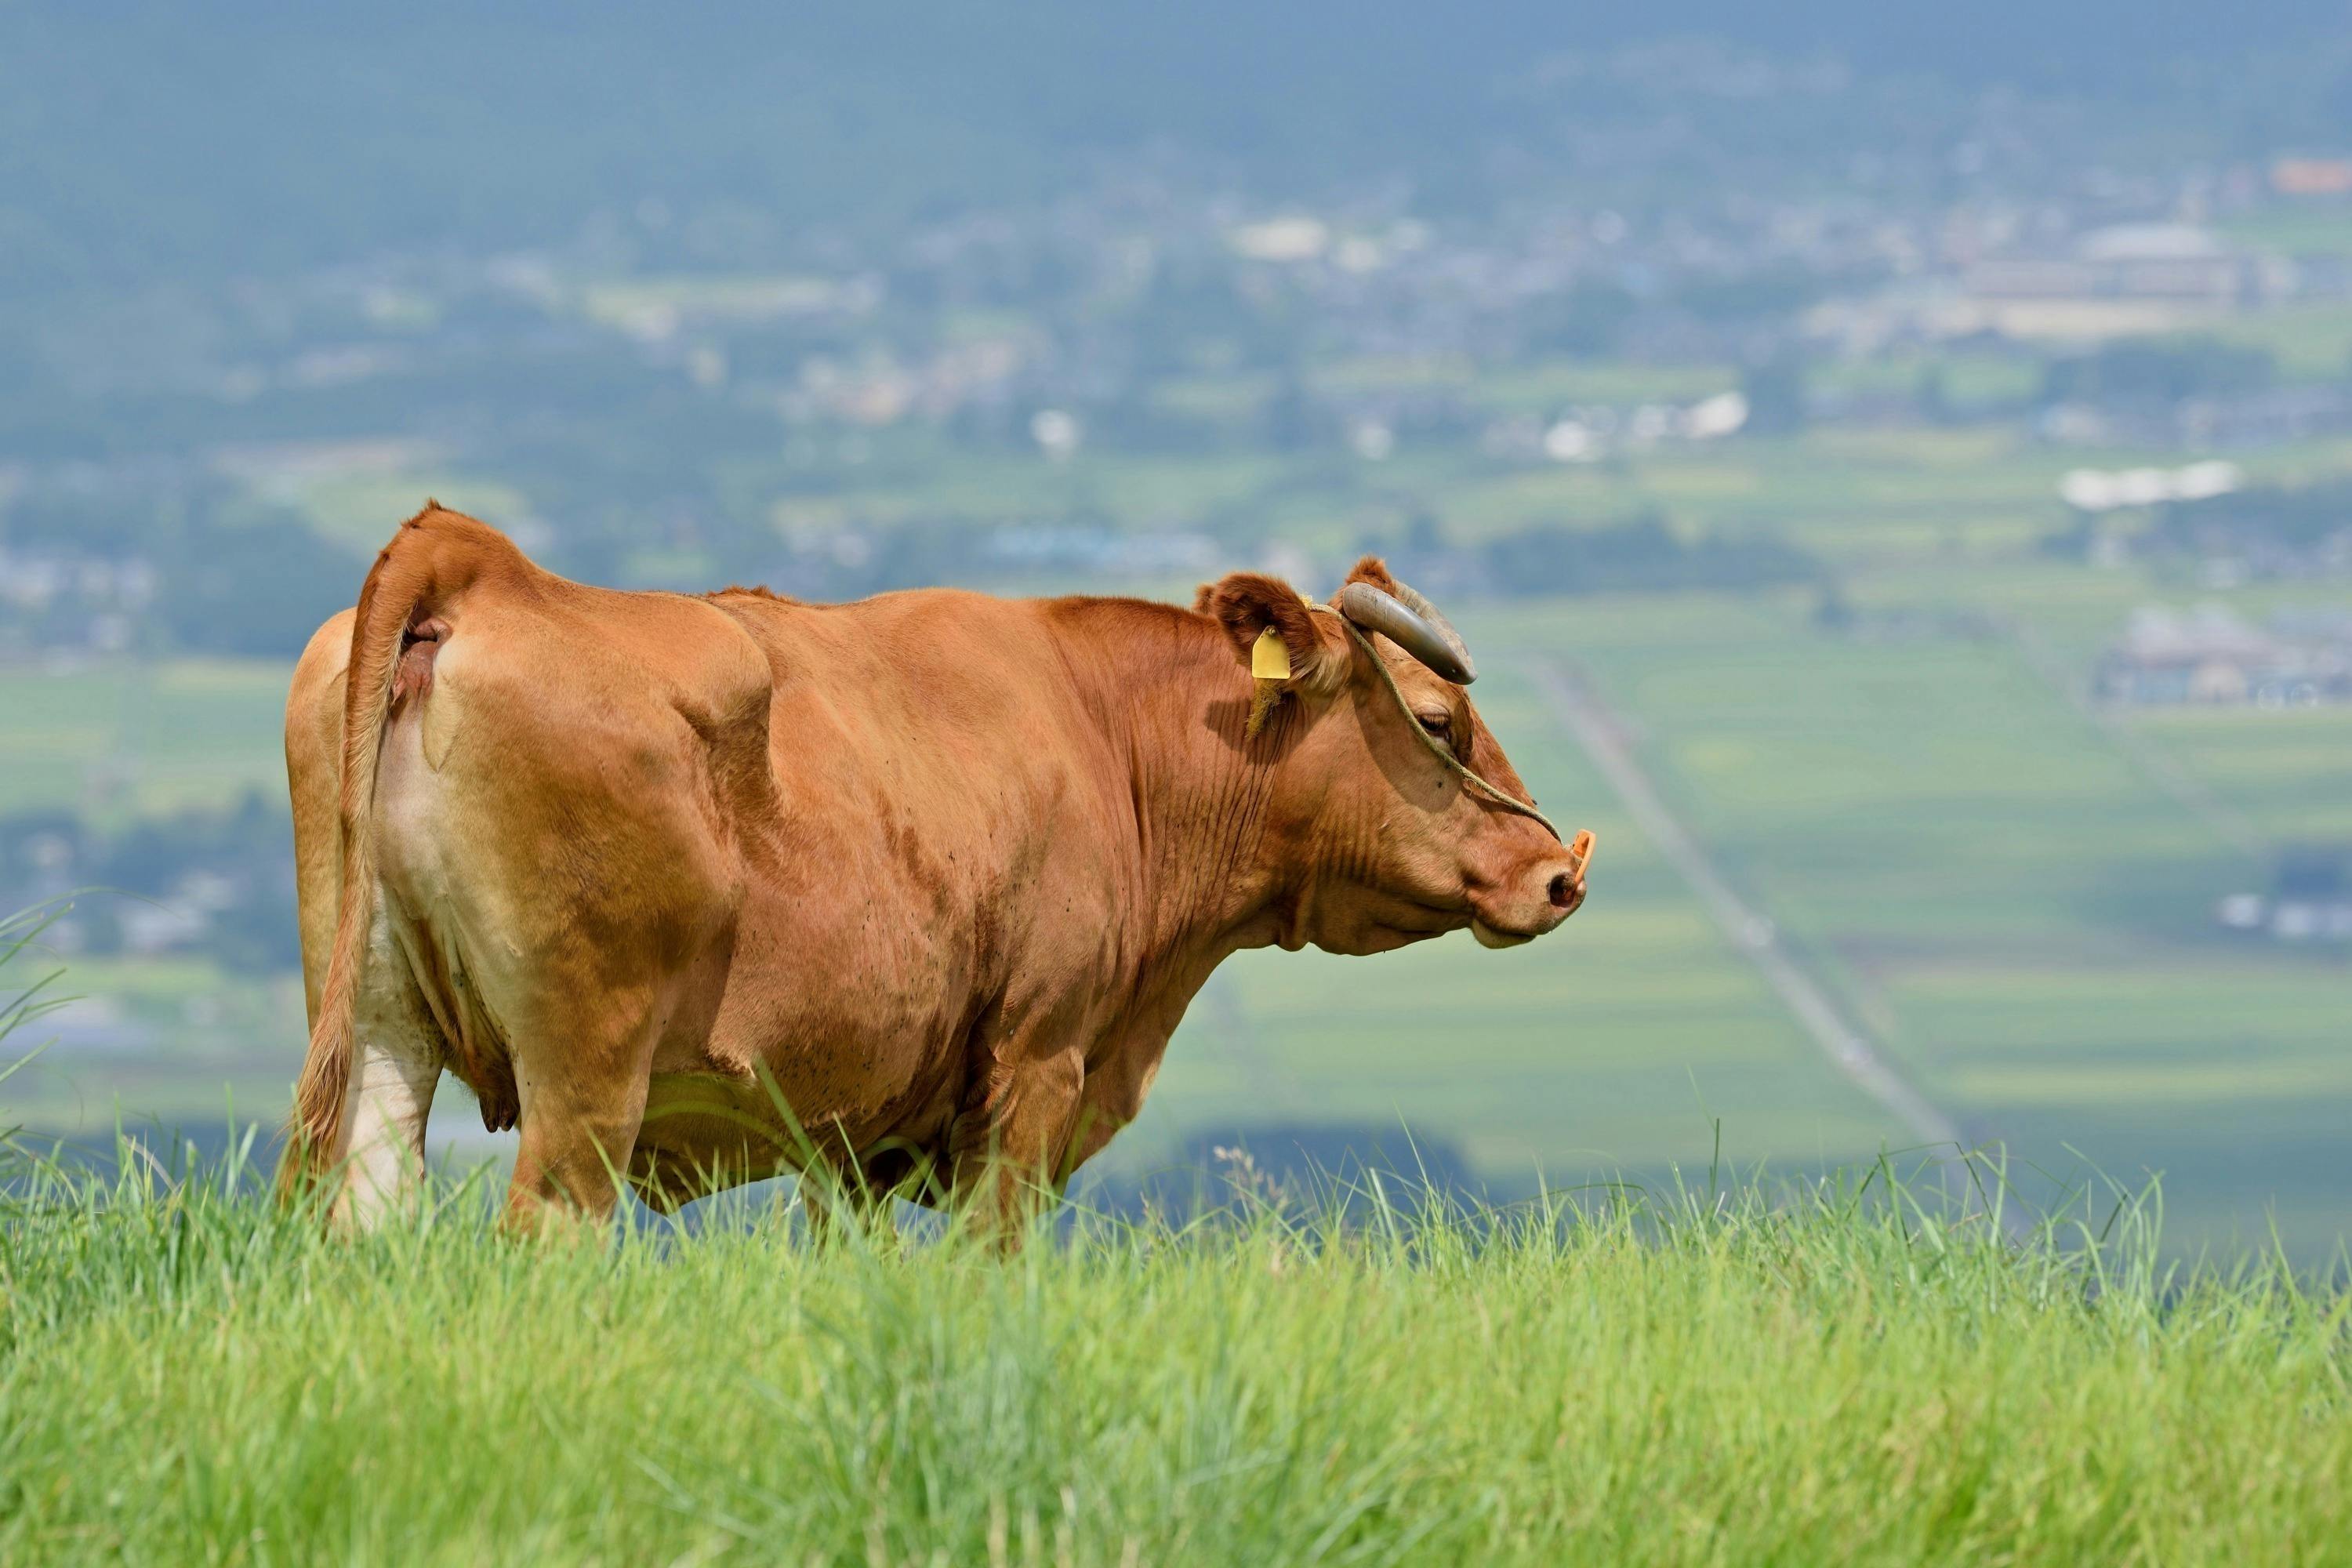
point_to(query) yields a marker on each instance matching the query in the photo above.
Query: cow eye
(1440, 725)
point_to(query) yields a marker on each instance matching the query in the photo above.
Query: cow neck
(1174, 705)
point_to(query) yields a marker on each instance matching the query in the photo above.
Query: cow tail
(396, 596)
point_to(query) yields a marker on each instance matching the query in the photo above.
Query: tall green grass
(1856, 1373)
(1849, 1371)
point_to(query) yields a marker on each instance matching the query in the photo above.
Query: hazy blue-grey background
(1897, 463)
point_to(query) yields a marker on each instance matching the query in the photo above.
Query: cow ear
(1247, 606)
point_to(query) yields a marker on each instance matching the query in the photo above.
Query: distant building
(2312, 176)
(2170, 264)
(2099, 489)
(2212, 656)
(2310, 898)
(2127, 280)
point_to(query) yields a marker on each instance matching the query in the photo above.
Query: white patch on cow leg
(392, 1092)
(396, 1067)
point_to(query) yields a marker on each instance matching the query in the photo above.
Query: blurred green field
(161, 1041)
(2301, 229)
(1549, 386)
(2310, 342)
(2286, 771)
(1970, 377)
(361, 512)
(124, 739)
(2002, 896)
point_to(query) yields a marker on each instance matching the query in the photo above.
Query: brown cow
(937, 871)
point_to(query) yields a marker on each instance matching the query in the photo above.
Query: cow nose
(1566, 889)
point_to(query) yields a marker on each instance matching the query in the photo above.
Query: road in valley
(1851, 1051)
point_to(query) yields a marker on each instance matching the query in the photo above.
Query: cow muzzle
(1537, 901)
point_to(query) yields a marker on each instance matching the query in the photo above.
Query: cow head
(1380, 841)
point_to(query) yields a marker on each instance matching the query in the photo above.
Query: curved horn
(1413, 599)
(1415, 626)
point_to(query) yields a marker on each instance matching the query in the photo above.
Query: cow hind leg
(396, 1067)
(583, 1099)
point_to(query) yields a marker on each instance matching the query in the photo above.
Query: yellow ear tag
(1269, 657)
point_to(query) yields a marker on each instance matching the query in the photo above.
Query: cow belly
(707, 1130)
(858, 1030)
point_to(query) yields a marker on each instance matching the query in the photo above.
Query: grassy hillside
(1841, 1379)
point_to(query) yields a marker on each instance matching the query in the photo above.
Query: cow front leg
(1012, 1163)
